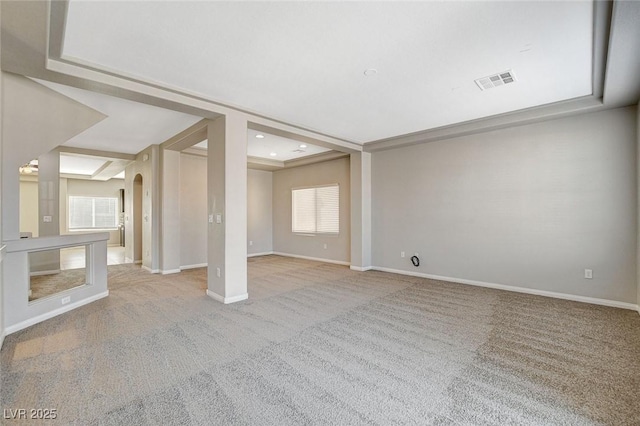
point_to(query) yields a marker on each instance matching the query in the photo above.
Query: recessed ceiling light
(259, 136)
(303, 146)
(273, 154)
(370, 72)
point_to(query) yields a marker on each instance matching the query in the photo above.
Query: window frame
(93, 199)
(315, 233)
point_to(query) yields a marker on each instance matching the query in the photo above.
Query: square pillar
(227, 204)
(361, 211)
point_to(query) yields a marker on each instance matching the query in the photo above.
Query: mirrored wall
(58, 270)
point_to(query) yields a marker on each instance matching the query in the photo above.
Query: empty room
(268, 213)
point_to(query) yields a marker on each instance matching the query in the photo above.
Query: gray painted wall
(193, 211)
(259, 212)
(193, 220)
(284, 241)
(529, 206)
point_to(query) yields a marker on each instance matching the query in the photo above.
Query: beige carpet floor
(320, 344)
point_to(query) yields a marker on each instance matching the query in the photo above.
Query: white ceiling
(285, 149)
(77, 165)
(304, 62)
(129, 127)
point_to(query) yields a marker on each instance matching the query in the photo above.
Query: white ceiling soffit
(266, 146)
(129, 127)
(304, 62)
(76, 165)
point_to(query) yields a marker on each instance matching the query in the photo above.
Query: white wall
(259, 212)
(150, 205)
(68, 187)
(193, 211)
(529, 206)
(638, 195)
(29, 206)
(88, 188)
(285, 241)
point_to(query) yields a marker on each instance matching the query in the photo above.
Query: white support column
(227, 201)
(49, 194)
(361, 211)
(170, 211)
(48, 209)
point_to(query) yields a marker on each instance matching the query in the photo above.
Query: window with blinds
(93, 213)
(316, 210)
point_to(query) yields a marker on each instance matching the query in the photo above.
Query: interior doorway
(137, 219)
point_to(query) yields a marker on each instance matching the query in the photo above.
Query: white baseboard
(153, 271)
(360, 268)
(553, 294)
(227, 300)
(31, 321)
(195, 266)
(264, 253)
(317, 259)
(1, 339)
(170, 271)
(138, 262)
(39, 273)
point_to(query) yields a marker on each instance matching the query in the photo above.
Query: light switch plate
(46, 219)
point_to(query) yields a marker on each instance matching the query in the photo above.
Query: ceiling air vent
(496, 80)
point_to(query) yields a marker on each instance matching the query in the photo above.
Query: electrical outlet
(325, 246)
(66, 300)
(401, 254)
(218, 272)
(588, 274)
(250, 243)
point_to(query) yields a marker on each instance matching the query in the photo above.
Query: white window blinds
(316, 210)
(93, 213)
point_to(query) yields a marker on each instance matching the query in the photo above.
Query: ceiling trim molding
(496, 122)
(316, 158)
(276, 164)
(106, 155)
(102, 169)
(602, 14)
(195, 151)
(188, 137)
